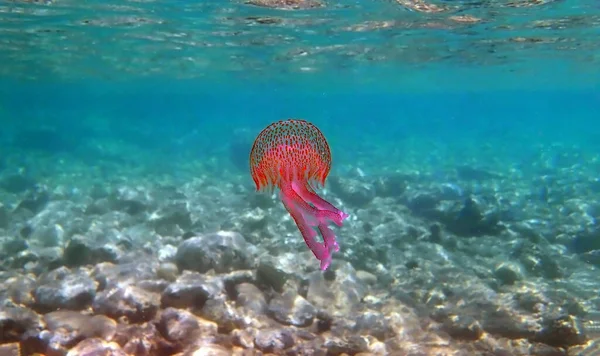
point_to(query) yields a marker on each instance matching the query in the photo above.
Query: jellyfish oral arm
(296, 198)
(308, 195)
(308, 233)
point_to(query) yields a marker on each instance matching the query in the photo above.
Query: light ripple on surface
(190, 40)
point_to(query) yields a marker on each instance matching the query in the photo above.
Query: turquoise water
(466, 149)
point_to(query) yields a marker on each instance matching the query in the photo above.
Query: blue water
(163, 115)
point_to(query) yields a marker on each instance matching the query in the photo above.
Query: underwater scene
(299, 177)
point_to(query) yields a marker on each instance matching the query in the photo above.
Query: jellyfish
(294, 156)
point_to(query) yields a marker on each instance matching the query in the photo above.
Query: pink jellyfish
(294, 156)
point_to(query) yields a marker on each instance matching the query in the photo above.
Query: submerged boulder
(223, 251)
